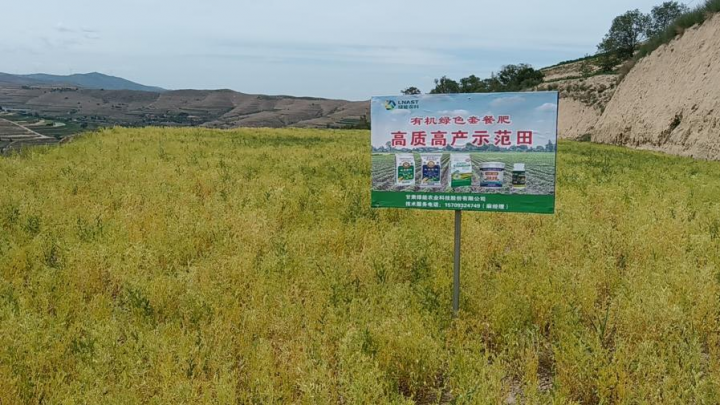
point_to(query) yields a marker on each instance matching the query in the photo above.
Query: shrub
(696, 16)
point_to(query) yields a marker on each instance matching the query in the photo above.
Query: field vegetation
(246, 266)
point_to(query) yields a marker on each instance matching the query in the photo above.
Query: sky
(534, 111)
(322, 48)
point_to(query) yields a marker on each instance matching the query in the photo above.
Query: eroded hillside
(583, 100)
(670, 101)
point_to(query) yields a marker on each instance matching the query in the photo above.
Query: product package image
(460, 170)
(431, 168)
(405, 166)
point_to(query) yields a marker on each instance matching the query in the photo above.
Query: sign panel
(475, 152)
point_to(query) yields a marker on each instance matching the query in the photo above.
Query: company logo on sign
(402, 104)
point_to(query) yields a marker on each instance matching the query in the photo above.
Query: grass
(567, 78)
(696, 16)
(567, 62)
(198, 266)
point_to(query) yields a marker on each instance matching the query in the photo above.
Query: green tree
(510, 78)
(411, 91)
(606, 61)
(518, 77)
(550, 147)
(471, 84)
(626, 33)
(445, 85)
(362, 123)
(664, 15)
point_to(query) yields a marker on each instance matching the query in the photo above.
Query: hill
(96, 99)
(670, 101)
(15, 80)
(210, 108)
(246, 266)
(584, 93)
(88, 80)
(665, 101)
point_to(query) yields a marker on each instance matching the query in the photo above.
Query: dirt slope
(670, 101)
(582, 100)
(575, 118)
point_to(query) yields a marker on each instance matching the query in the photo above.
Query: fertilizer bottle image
(431, 165)
(404, 169)
(460, 170)
(492, 174)
(518, 175)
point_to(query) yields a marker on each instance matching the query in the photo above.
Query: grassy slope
(698, 15)
(188, 265)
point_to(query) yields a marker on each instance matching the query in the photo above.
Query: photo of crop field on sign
(541, 171)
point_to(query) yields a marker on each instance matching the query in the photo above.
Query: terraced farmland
(18, 131)
(14, 134)
(540, 172)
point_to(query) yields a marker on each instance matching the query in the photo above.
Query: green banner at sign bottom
(539, 204)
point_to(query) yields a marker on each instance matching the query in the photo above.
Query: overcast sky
(325, 48)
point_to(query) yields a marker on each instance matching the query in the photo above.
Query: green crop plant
(200, 266)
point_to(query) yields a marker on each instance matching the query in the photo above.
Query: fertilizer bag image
(405, 169)
(430, 169)
(460, 170)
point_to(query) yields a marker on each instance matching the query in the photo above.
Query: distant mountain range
(98, 99)
(92, 80)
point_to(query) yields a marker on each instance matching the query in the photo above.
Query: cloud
(455, 112)
(337, 49)
(67, 36)
(507, 101)
(547, 107)
(285, 52)
(63, 29)
(59, 42)
(435, 97)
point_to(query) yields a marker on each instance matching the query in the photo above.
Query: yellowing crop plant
(199, 266)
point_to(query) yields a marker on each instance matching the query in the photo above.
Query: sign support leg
(456, 272)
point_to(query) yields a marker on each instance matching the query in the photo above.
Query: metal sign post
(456, 276)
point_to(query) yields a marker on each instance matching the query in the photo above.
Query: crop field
(540, 168)
(17, 131)
(14, 133)
(246, 266)
(59, 132)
